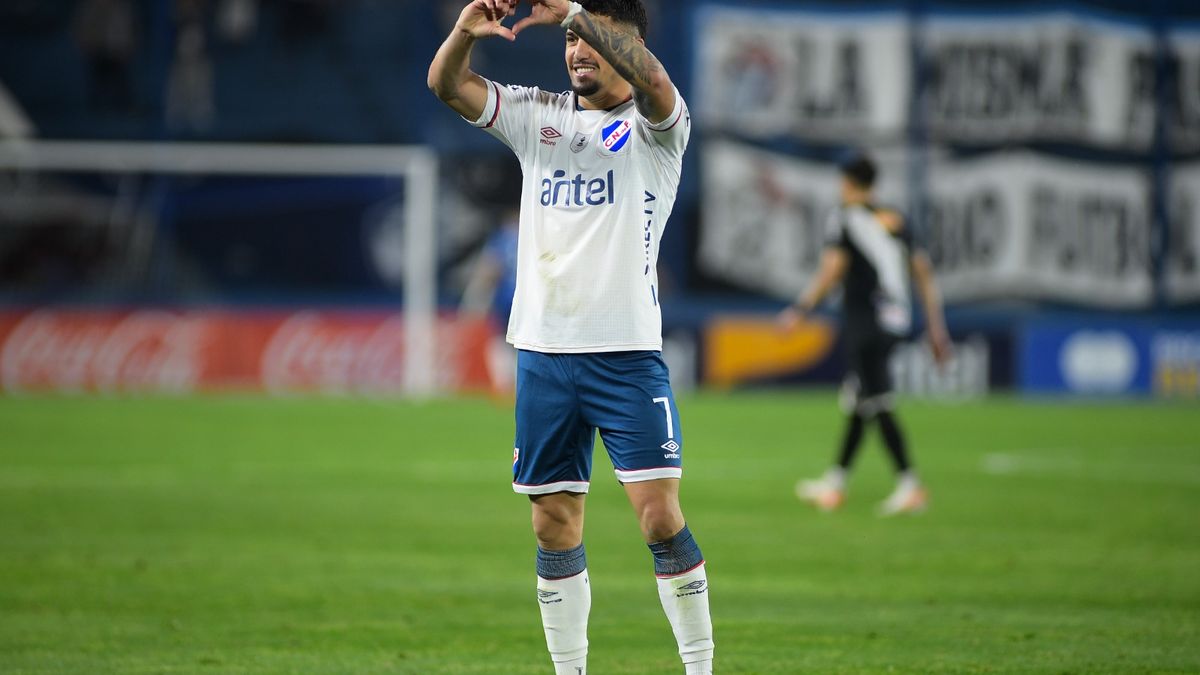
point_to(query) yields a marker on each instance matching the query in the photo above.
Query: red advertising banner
(343, 352)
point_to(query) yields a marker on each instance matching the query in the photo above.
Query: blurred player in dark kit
(870, 251)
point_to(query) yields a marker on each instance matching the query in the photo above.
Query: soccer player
(601, 166)
(489, 292)
(870, 252)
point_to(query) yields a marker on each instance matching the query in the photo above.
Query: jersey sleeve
(508, 113)
(673, 132)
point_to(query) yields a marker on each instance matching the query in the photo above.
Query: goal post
(417, 166)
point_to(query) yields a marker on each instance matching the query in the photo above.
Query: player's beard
(585, 89)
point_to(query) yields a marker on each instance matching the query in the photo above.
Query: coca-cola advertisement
(178, 352)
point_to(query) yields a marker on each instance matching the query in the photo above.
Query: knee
(557, 536)
(557, 529)
(660, 520)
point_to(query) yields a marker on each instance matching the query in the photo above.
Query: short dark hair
(629, 12)
(859, 168)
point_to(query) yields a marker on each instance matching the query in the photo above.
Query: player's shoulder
(552, 99)
(892, 219)
(538, 95)
(561, 99)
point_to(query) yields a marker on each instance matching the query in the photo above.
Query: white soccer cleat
(820, 493)
(906, 498)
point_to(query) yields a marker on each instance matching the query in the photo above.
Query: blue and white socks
(565, 599)
(683, 590)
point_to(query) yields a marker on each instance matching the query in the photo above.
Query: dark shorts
(869, 377)
(564, 399)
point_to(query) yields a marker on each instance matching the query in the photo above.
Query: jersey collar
(579, 108)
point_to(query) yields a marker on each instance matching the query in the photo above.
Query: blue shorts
(563, 399)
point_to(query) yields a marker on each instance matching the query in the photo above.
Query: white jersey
(597, 189)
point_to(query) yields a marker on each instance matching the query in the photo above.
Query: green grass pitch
(246, 535)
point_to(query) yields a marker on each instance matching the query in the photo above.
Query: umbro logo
(547, 597)
(550, 136)
(672, 449)
(695, 588)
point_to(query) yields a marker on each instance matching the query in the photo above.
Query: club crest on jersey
(614, 136)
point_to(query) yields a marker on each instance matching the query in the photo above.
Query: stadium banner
(1017, 76)
(1052, 77)
(1183, 112)
(1181, 276)
(826, 75)
(748, 350)
(179, 352)
(763, 214)
(1110, 359)
(1022, 225)
(1012, 225)
(966, 375)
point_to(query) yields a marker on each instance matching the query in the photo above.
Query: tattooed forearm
(622, 50)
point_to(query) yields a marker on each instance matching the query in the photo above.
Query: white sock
(573, 667)
(565, 604)
(908, 481)
(836, 478)
(685, 601)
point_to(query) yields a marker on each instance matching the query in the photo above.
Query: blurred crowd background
(1047, 153)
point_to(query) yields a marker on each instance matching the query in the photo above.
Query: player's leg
(909, 495)
(848, 399)
(563, 589)
(628, 397)
(552, 464)
(893, 440)
(829, 491)
(679, 568)
(878, 401)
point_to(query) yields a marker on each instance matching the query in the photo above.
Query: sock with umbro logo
(683, 590)
(565, 599)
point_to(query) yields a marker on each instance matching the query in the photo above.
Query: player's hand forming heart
(544, 12)
(482, 18)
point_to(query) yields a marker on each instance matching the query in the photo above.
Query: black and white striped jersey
(877, 287)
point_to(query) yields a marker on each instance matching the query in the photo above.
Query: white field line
(1076, 465)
